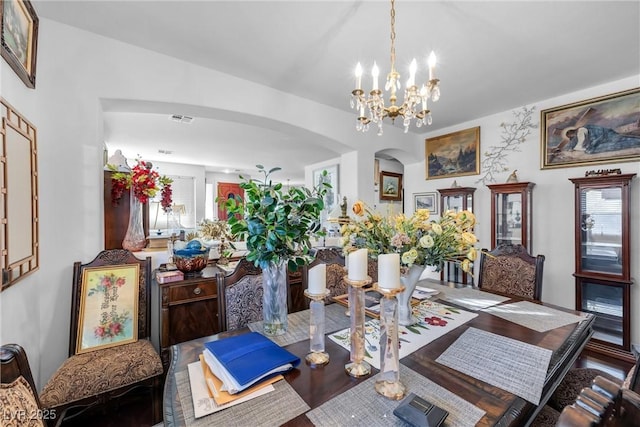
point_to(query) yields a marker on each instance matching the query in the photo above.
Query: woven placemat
(298, 330)
(469, 298)
(271, 409)
(509, 364)
(534, 316)
(363, 406)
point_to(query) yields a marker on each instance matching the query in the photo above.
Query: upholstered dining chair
(93, 375)
(334, 261)
(19, 398)
(510, 270)
(239, 296)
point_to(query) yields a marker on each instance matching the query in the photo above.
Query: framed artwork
(108, 307)
(453, 154)
(19, 38)
(426, 201)
(598, 130)
(390, 186)
(332, 177)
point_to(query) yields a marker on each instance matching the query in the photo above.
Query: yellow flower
(469, 238)
(466, 266)
(466, 218)
(426, 241)
(472, 255)
(358, 208)
(437, 228)
(409, 257)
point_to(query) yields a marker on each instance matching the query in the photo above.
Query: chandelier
(414, 105)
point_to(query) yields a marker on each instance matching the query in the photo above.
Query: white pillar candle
(318, 279)
(346, 261)
(389, 271)
(358, 265)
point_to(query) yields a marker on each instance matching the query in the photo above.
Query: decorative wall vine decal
(513, 134)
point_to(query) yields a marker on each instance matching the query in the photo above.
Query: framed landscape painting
(426, 201)
(453, 154)
(108, 307)
(390, 186)
(19, 36)
(598, 130)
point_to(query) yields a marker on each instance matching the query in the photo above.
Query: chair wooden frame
(105, 258)
(223, 281)
(517, 251)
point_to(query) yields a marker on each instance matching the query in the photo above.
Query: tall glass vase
(274, 308)
(134, 239)
(409, 280)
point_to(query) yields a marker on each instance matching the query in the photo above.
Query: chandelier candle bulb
(375, 72)
(358, 265)
(432, 65)
(358, 76)
(389, 271)
(412, 73)
(318, 279)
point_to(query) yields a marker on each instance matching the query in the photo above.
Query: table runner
(298, 330)
(435, 320)
(469, 298)
(534, 316)
(511, 365)
(362, 406)
(274, 408)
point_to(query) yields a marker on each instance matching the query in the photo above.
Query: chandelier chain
(393, 36)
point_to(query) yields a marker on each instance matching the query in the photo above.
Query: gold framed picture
(19, 38)
(390, 186)
(108, 307)
(598, 130)
(453, 154)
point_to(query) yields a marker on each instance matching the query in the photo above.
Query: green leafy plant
(277, 224)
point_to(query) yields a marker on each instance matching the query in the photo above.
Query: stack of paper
(420, 293)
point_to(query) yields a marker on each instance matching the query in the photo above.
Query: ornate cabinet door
(511, 219)
(602, 259)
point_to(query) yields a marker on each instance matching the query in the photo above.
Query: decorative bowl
(191, 260)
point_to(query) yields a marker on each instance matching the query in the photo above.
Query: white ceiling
(493, 56)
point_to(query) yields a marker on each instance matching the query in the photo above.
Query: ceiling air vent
(181, 119)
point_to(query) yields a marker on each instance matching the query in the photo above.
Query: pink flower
(435, 321)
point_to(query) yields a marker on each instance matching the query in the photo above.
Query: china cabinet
(456, 199)
(511, 219)
(602, 259)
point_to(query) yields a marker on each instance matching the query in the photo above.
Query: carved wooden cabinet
(188, 310)
(456, 199)
(602, 259)
(511, 214)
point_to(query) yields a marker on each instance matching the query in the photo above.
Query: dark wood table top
(317, 386)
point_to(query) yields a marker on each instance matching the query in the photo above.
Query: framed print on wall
(453, 154)
(390, 186)
(332, 177)
(19, 38)
(598, 130)
(108, 307)
(427, 201)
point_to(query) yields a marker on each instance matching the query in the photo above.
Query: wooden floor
(135, 410)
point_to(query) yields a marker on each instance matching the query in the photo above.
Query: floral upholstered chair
(240, 296)
(510, 270)
(18, 397)
(94, 374)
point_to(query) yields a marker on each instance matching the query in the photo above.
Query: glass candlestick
(316, 356)
(388, 383)
(357, 367)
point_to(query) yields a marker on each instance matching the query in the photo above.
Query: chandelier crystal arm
(414, 105)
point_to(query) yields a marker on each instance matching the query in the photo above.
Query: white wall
(66, 109)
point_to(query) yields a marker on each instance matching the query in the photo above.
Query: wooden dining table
(319, 385)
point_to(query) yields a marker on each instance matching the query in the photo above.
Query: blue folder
(249, 358)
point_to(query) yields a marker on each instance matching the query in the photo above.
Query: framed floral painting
(108, 307)
(598, 130)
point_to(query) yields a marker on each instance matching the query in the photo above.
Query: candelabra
(358, 367)
(388, 383)
(317, 355)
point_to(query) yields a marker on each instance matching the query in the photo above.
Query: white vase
(409, 281)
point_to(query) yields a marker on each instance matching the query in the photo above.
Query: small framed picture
(426, 201)
(390, 186)
(19, 36)
(108, 307)
(332, 177)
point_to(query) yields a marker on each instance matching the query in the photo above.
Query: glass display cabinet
(456, 199)
(511, 219)
(602, 259)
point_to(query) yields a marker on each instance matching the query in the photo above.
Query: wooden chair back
(240, 296)
(113, 257)
(13, 365)
(334, 260)
(510, 270)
